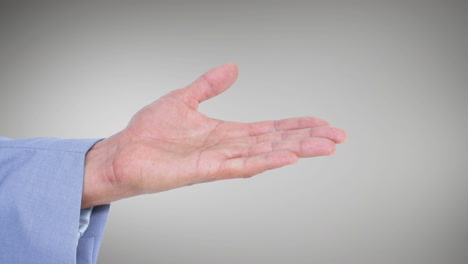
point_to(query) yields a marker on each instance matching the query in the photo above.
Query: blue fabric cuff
(41, 182)
(85, 216)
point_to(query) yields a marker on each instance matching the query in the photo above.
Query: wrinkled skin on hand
(169, 144)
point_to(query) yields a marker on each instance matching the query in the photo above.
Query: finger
(263, 127)
(249, 166)
(308, 147)
(335, 134)
(210, 84)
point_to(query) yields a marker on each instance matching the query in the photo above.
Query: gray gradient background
(393, 74)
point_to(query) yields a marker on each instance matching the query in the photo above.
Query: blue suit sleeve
(41, 183)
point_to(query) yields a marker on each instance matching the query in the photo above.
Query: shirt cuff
(85, 216)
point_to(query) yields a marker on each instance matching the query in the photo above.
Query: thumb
(210, 84)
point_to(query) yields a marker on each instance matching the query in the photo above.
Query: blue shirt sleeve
(41, 184)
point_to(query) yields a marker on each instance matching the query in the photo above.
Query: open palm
(169, 144)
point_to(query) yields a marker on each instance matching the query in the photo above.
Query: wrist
(98, 170)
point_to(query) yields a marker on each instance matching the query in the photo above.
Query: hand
(169, 144)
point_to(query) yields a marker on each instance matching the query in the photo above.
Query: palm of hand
(169, 144)
(174, 145)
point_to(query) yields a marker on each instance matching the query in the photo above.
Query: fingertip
(310, 121)
(328, 147)
(331, 149)
(338, 135)
(233, 66)
(322, 147)
(321, 122)
(233, 69)
(343, 136)
(211, 83)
